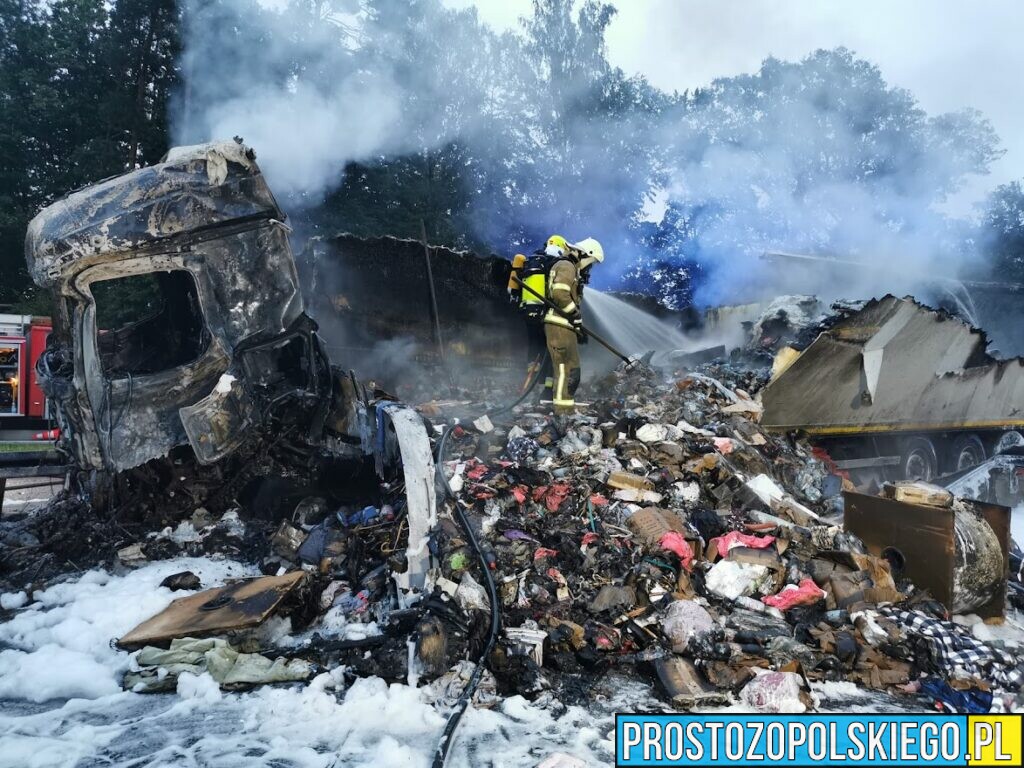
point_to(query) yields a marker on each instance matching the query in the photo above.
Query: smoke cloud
(306, 136)
(313, 86)
(819, 156)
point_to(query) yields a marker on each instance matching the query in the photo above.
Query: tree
(373, 115)
(819, 156)
(1002, 232)
(579, 158)
(143, 50)
(83, 95)
(25, 94)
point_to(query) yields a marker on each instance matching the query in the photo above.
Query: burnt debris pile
(664, 531)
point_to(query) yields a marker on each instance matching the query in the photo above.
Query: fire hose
(550, 305)
(441, 753)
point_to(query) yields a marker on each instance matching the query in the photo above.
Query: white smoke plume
(313, 86)
(818, 157)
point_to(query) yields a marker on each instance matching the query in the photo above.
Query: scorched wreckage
(232, 349)
(227, 390)
(678, 527)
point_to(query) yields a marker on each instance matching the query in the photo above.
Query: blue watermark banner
(861, 739)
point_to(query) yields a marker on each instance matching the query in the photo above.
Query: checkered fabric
(954, 648)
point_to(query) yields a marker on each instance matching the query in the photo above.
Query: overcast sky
(949, 53)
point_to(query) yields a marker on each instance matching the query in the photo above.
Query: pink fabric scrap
(724, 445)
(792, 595)
(477, 472)
(736, 539)
(674, 541)
(553, 495)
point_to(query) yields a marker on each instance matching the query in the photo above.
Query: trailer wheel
(968, 451)
(919, 461)
(1008, 440)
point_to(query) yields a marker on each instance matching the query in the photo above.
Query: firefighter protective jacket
(563, 292)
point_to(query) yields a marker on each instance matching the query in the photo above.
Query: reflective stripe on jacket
(563, 292)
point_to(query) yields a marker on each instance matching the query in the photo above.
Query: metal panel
(923, 536)
(933, 374)
(37, 405)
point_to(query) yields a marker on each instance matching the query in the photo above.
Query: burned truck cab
(198, 246)
(180, 338)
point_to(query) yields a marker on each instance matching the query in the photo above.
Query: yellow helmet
(556, 246)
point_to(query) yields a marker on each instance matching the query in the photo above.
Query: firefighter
(533, 272)
(564, 328)
(590, 253)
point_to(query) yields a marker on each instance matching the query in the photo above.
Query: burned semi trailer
(183, 369)
(899, 391)
(382, 289)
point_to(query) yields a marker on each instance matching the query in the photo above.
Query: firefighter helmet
(591, 250)
(556, 246)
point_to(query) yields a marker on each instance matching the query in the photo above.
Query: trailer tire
(967, 451)
(1008, 440)
(918, 461)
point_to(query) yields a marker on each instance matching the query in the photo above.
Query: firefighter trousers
(536, 346)
(565, 360)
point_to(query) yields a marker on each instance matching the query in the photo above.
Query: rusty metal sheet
(895, 366)
(923, 536)
(241, 605)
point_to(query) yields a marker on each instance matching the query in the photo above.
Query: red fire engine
(22, 340)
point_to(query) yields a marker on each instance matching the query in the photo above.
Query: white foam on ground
(11, 600)
(62, 704)
(59, 647)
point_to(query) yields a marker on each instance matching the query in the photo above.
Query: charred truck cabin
(218, 390)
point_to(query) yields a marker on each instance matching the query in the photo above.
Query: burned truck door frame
(136, 417)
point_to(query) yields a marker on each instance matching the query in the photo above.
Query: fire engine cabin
(22, 341)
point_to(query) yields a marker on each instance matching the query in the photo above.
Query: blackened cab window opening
(148, 323)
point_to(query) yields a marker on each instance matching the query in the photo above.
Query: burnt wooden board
(240, 605)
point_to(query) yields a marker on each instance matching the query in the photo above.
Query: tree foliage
(493, 141)
(1003, 232)
(84, 88)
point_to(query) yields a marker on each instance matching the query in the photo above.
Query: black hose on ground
(527, 391)
(441, 753)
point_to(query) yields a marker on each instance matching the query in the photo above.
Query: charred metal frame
(262, 392)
